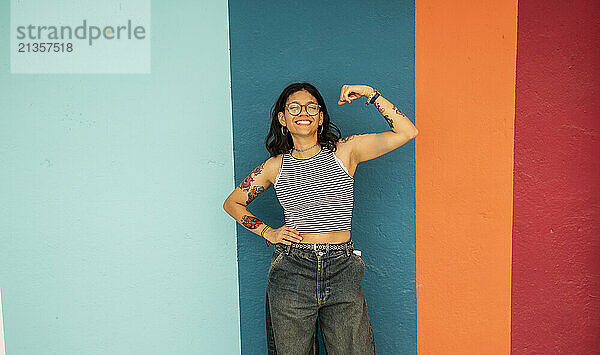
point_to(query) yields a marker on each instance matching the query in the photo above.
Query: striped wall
(480, 236)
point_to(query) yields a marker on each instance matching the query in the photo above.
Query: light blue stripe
(112, 235)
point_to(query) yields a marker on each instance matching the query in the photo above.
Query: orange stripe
(465, 55)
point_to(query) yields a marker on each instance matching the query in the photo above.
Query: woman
(314, 274)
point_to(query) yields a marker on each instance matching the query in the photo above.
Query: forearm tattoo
(250, 222)
(245, 185)
(385, 115)
(399, 112)
(255, 191)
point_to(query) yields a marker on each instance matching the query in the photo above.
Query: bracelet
(261, 233)
(370, 97)
(373, 97)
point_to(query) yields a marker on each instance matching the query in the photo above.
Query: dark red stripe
(556, 231)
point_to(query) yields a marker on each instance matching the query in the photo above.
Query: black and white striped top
(317, 194)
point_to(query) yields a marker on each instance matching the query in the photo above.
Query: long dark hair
(277, 143)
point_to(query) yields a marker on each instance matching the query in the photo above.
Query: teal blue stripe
(274, 43)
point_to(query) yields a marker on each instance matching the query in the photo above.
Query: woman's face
(302, 124)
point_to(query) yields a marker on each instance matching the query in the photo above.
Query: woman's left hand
(352, 92)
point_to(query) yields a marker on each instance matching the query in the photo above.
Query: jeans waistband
(347, 246)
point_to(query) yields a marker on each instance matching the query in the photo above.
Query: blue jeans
(305, 286)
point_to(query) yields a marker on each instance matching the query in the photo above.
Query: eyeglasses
(294, 109)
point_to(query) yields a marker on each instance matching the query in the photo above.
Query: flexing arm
(371, 145)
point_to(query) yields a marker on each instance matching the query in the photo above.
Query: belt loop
(288, 248)
(315, 246)
(327, 248)
(347, 247)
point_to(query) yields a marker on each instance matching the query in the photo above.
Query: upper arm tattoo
(348, 138)
(246, 185)
(345, 139)
(255, 191)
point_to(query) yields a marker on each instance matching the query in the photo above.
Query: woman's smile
(303, 122)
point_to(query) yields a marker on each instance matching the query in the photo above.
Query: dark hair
(277, 143)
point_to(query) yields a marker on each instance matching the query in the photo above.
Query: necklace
(304, 150)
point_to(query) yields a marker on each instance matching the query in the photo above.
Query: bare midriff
(328, 237)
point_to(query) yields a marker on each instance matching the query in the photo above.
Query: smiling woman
(312, 171)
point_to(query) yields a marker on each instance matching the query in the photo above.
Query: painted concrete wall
(278, 43)
(492, 278)
(112, 235)
(465, 84)
(556, 230)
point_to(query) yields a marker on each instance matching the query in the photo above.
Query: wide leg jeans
(306, 286)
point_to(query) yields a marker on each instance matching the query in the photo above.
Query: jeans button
(320, 253)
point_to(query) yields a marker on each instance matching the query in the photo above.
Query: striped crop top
(317, 194)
